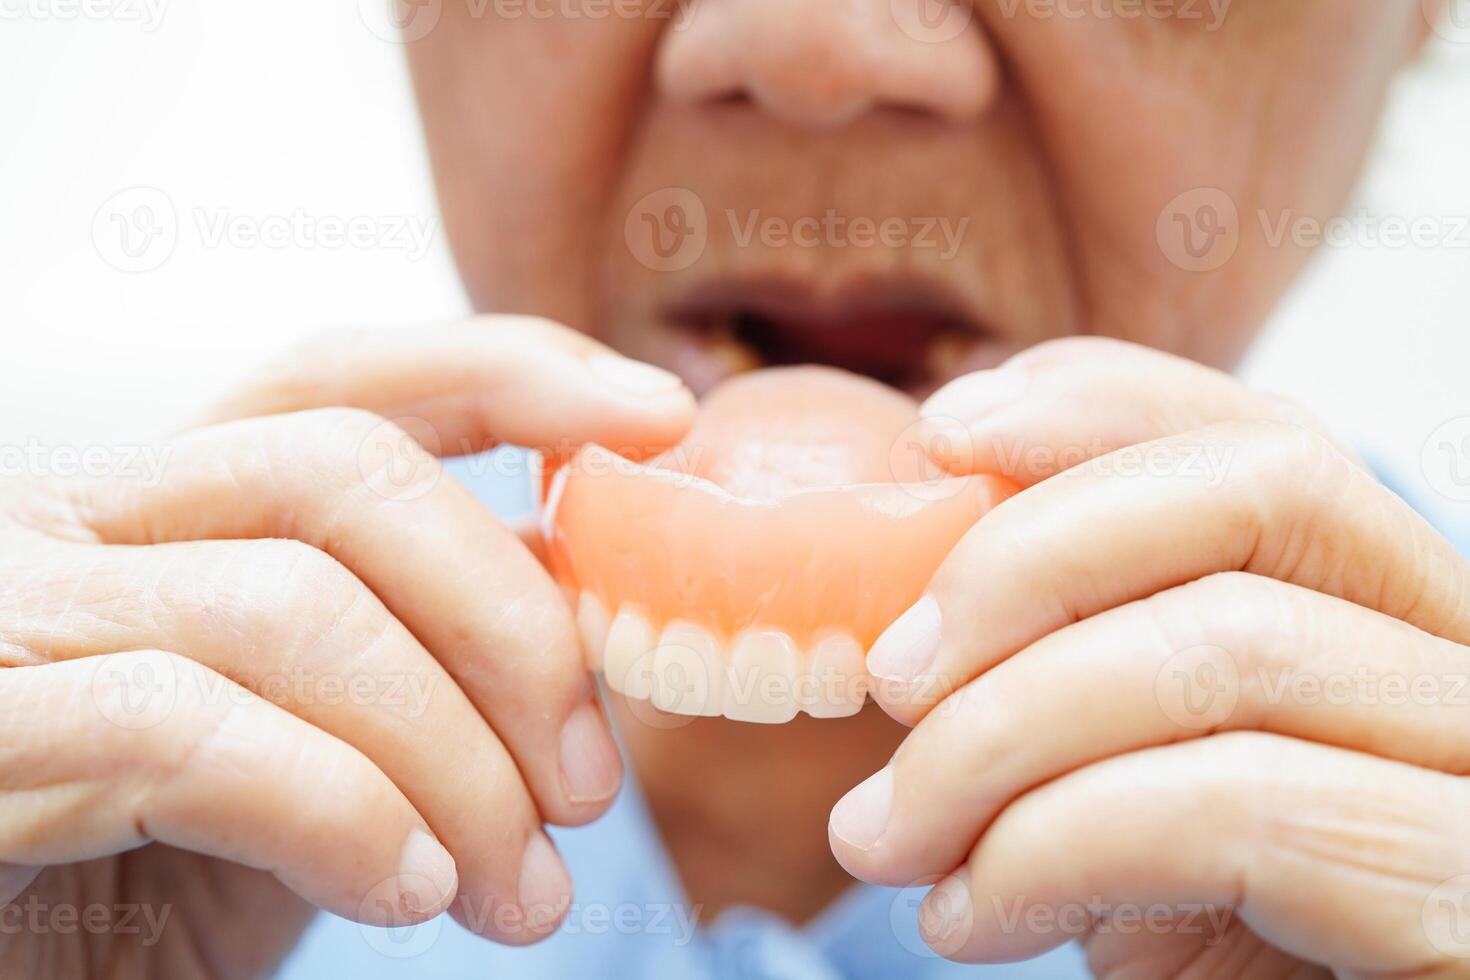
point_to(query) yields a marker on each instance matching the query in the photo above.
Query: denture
(747, 571)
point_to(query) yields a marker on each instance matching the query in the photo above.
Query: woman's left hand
(1197, 695)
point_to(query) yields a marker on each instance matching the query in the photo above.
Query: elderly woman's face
(908, 188)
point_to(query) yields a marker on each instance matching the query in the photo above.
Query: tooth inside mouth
(905, 352)
(730, 352)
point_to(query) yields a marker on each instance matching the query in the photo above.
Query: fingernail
(634, 377)
(978, 394)
(427, 878)
(545, 886)
(591, 769)
(860, 817)
(947, 914)
(908, 647)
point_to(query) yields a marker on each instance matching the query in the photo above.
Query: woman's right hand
(294, 665)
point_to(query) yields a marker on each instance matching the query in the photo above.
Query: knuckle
(1284, 450)
(330, 430)
(353, 450)
(287, 584)
(1235, 602)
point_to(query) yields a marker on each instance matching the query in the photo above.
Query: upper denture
(746, 571)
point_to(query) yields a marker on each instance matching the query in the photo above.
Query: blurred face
(908, 188)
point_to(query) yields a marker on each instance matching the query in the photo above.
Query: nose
(827, 62)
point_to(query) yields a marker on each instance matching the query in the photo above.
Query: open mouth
(911, 336)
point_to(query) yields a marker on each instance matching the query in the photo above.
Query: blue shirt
(630, 917)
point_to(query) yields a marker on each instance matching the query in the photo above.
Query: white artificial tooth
(592, 623)
(628, 657)
(837, 683)
(761, 683)
(689, 671)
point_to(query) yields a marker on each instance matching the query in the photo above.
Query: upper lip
(884, 327)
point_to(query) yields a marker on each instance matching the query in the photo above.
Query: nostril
(824, 62)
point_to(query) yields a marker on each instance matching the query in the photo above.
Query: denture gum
(746, 571)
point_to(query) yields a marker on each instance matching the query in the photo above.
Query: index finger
(493, 379)
(1066, 402)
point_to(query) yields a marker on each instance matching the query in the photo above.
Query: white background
(279, 109)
